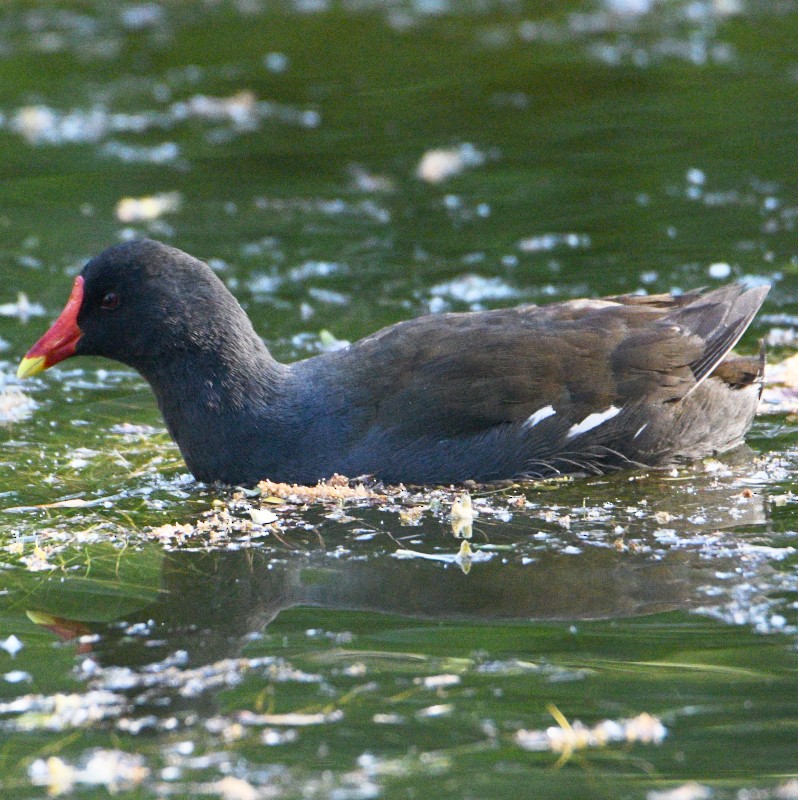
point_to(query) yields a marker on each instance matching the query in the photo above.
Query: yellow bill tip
(30, 366)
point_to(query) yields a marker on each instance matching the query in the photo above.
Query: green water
(603, 148)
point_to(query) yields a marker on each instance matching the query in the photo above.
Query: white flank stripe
(592, 421)
(538, 416)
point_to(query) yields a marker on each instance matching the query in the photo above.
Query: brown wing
(459, 374)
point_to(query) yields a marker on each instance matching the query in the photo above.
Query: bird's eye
(110, 301)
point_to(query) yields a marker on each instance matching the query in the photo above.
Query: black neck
(220, 405)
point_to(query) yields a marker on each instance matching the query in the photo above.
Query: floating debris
(164, 153)
(135, 430)
(687, 791)
(12, 645)
(719, 271)
(142, 15)
(474, 289)
(276, 62)
(783, 373)
(261, 516)
(15, 405)
(330, 343)
(42, 125)
(17, 676)
(437, 166)
(55, 774)
(411, 516)
(464, 558)
(551, 241)
(69, 502)
(239, 108)
(336, 488)
(231, 788)
(365, 181)
(144, 209)
(781, 337)
(191, 682)
(174, 533)
(37, 559)
(568, 737)
(59, 712)
(787, 790)
(294, 719)
(317, 269)
(332, 298)
(440, 710)
(114, 769)
(23, 309)
(780, 393)
(438, 681)
(463, 514)
(261, 284)
(387, 719)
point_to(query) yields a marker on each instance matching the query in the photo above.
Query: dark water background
(598, 147)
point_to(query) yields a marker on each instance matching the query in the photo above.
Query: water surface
(343, 166)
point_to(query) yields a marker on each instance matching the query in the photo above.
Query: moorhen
(577, 386)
